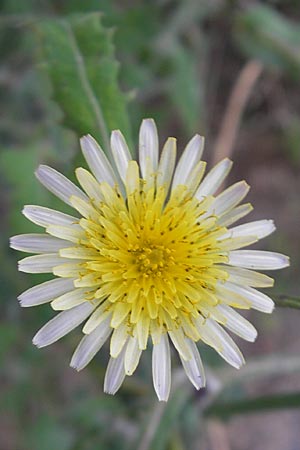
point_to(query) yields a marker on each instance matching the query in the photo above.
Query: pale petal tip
(238, 364)
(110, 387)
(160, 399)
(40, 170)
(148, 122)
(74, 365)
(22, 300)
(109, 391)
(197, 141)
(116, 135)
(87, 139)
(12, 242)
(285, 261)
(37, 341)
(252, 337)
(269, 308)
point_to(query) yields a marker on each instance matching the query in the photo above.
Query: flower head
(150, 253)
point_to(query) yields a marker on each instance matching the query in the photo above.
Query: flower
(151, 255)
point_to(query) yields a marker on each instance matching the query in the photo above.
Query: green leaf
(225, 410)
(263, 33)
(185, 88)
(80, 62)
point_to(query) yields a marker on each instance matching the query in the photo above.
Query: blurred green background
(229, 70)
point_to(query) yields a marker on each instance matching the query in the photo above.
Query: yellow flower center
(153, 261)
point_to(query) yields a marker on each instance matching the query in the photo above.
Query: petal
(62, 324)
(257, 299)
(45, 292)
(69, 300)
(132, 178)
(234, 322)
(194, 367)
(46, 216)
(132, 355)
(148, 149)
(89, 184)
(40, 263)
(214, 179)
(69, 270)
(229, 198)
(68, 233)
(37, 243)
(190, 157)
(214, 335)
(118, 340)
(235, 214)
(58, 184)
(97, 161)
(167, 164)
(90, 345)
(247, 277)
(120, 153)
(115, 373)
(96, 318)
(259, 228)
(195, 177)
(258, 259)
(180, 344)
(161, 368)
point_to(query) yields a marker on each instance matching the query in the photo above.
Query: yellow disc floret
(152, 262)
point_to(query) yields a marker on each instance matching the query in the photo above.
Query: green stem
(287, 301)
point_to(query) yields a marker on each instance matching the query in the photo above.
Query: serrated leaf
(265, 34)
(80, 61)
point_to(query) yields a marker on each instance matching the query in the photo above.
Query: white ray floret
(161, 368)
(214, 179)
(45, 292)
(58, 184)
(132, 355)
(194, 367)
(167, 164)
(62, 324)
(90, 345)
(97, 161)
(37, 243)
(148, 149)
(257, 299)
(40, 263)
(259, 229)
(120, 153)
(115, 373)
(229, 198)
(190, 157)
(258, 259)
(46, 216)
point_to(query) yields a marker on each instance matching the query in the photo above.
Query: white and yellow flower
(150, 253)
